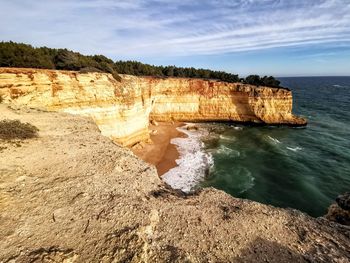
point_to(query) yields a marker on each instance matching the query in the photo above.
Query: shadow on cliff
(244, 110)
(262, 250)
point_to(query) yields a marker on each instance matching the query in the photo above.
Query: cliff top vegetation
(26, 56)
(14, 129)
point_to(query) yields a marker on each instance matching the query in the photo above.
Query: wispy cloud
(133, 28)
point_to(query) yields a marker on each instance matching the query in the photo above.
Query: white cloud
(133, 28)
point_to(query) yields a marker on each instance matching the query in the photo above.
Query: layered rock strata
(71, 195)
(122, 110)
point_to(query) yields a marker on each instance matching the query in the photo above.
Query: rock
(340, 211)
(337, 214)
(344, 201)
(148, 141)
(118, 209)
(192, 128)
(153, 132)
(138, 146)
(122, 110)
(154, 122)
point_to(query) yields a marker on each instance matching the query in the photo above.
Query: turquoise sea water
(302, 168)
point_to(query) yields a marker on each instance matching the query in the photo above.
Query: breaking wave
(193, 163)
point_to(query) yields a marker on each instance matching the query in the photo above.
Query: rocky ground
(71, 195)
(340, 211)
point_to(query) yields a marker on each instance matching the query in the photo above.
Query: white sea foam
(294, 149)
(249, 183)
(227, 138)
(273, 139)
(193, 163)
(227, 151)
(238, 177)
(237, 128)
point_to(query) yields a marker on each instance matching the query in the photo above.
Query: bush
(264, 81)
(89, 69)
(67, 60)
(14, 129)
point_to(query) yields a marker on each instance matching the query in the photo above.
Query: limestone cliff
(71, 195)
(122, 110)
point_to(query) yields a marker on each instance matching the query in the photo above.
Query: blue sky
(278, 37)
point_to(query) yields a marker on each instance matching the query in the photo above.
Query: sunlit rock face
(209, 100)
(122, 110)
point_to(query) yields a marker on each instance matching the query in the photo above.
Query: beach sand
(160, 152)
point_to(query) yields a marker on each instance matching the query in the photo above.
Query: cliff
(71, 195)
(122, 110)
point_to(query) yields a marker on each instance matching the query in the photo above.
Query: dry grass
(14, 129)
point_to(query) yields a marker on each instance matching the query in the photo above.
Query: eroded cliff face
(71, 195)
(210, 100)
(122, 110)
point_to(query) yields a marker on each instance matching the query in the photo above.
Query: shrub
(89, 69)
(264, 81)
(67, 60)
(14, 129)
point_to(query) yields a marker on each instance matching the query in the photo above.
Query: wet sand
(160, 152)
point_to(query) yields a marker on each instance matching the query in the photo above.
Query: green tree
(21, 55)
(253, 80)
(66, 59)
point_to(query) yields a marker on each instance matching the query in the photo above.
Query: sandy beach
(160, 152)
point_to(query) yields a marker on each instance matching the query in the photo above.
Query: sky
(266, 37)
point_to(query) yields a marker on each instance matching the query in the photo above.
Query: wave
(227, 151)
(245, 179)
(237, 128)
(238, 178)
(294, 149)
(227, 138)
(194, 163)
(273, 139)
(248, 184)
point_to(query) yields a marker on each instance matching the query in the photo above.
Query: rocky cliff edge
(72, 195)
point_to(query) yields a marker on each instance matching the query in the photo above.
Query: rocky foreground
(71, 195)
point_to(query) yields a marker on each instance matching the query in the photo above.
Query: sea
(300, 168)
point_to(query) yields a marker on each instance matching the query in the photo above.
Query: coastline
(161, 152)
(81, 184)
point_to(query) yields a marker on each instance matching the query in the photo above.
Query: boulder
(344, 201)
(339, 215)
(155, 123)
(153, 132)
(340, 211)
(191, 128)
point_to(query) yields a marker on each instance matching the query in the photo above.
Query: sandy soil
(161, 152)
